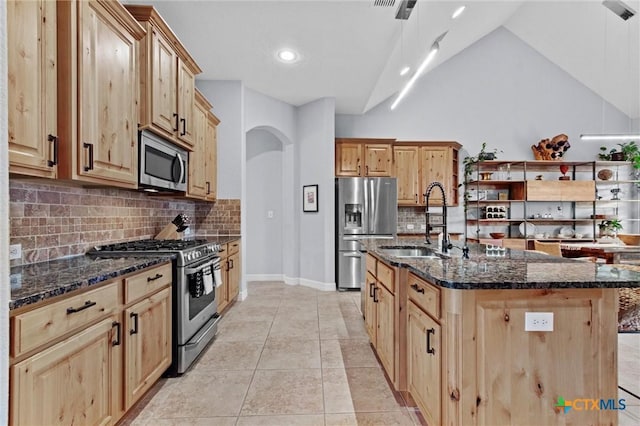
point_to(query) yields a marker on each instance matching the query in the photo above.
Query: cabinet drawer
(233, 247)
(572, 190)
(35, 328)
(147, 282)
(371, 264)
(425, 295)
(386, 276)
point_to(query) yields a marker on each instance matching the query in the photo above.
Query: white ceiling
(353, 50)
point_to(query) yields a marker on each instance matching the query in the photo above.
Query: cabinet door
(108, 84)
(186, 100)
(68, 383)
(348, 159)
(234, 275)
(435, 166)
(164, 81)
(407, 168)
(385, 345)
(148, 343)
(211, 150)
(370, 319)
(377, 160)
(424, 377)
(32, 94)
(197, 159)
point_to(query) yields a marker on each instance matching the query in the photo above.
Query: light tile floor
(290, 355)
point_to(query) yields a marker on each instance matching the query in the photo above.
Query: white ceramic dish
(530, 230)
(566, 232)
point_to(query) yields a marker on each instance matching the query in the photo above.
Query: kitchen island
(464, 351)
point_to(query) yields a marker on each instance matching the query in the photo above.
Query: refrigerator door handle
(352, 254)
(372, 204)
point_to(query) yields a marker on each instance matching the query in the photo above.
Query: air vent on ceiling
(405, 9)
(619, 8)
(384, 3)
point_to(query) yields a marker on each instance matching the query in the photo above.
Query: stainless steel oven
(162, 165)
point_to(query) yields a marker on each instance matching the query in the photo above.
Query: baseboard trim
(265, 277)
(318, 285)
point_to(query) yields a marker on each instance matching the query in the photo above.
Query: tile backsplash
(52, 220)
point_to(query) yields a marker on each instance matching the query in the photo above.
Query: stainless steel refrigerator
(365, 208)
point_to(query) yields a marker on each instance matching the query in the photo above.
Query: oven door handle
(206, 264)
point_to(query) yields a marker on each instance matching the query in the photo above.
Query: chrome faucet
(446, 245)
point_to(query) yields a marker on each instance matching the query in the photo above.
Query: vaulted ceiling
(353, 50)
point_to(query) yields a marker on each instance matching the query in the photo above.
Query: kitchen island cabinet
(471, 359)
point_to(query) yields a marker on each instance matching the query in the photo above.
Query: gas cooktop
(187, 251)
(152, 245)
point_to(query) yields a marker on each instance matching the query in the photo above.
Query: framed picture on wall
(310, 198)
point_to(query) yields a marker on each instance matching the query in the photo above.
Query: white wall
(4, 224)
(226, 97)
(500, 91)
(263, 240)
(316, 157)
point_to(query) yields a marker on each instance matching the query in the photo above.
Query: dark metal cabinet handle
(416, 288)
(184, 126)
(116, 342)
(86, 305)
(227, 266)
(375, 299)
(430, 350)
(231, 260)
(89, 146)
(358, 168)
(366, 170)
(416, 197)
(53, 139)
(208, 188)
(371, 285)
(175, 115)
(134, 330)
(157, 277)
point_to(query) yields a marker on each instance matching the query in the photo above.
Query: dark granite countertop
(220, 239)
(504, 268)
(39, 281)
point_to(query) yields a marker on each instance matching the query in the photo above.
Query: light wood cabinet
(98, 93)
(364, 157)
(105, 347)
(148, 343)
(167, 80)
(231, 269)
(380, 313)
(418, 164)
(211, 143)
(202, 161)
(32, 88)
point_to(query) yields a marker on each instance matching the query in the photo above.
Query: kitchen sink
(422, 252)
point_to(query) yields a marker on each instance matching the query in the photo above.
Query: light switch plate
(15, 251)
(410, 226)
(538, 321)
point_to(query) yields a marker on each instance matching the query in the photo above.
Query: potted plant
(629, 151)
(609, 227)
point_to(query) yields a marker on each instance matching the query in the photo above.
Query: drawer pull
(86, 305)
(430, 350)
(134, 330)
(116, 342)
(157, 277)
(416, 288)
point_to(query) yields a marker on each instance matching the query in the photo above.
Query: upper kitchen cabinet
(167, 80)
(364, 157)
(32, 66)
(418, 164)
(197, 182)
(98, 92)
(212, 156)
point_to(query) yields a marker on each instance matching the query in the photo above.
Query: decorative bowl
(630, 239)
(605, 174)
(497, 235)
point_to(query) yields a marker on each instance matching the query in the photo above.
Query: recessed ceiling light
(404, 70)
(458, 12)
(287, 55)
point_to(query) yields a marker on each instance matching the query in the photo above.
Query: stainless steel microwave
(163, 165)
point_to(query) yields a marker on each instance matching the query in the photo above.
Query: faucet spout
(428, 227)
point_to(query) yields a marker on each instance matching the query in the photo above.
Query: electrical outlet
(16, 281)
(15, 251)
(423, 227)
(538, 321)
(410, 226)
(187, 232)
(270, 214)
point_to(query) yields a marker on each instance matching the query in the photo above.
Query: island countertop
(36, 282)
(493, 268)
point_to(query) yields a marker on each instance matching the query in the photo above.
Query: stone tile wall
(53, 220)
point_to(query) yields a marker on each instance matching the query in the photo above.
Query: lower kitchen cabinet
(69, 383)
(147, 342)
(380, 313)
(230, 264)
(95, 352)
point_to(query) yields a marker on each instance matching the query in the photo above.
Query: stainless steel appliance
(195, 315)
(365, 208)
(163, 165)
